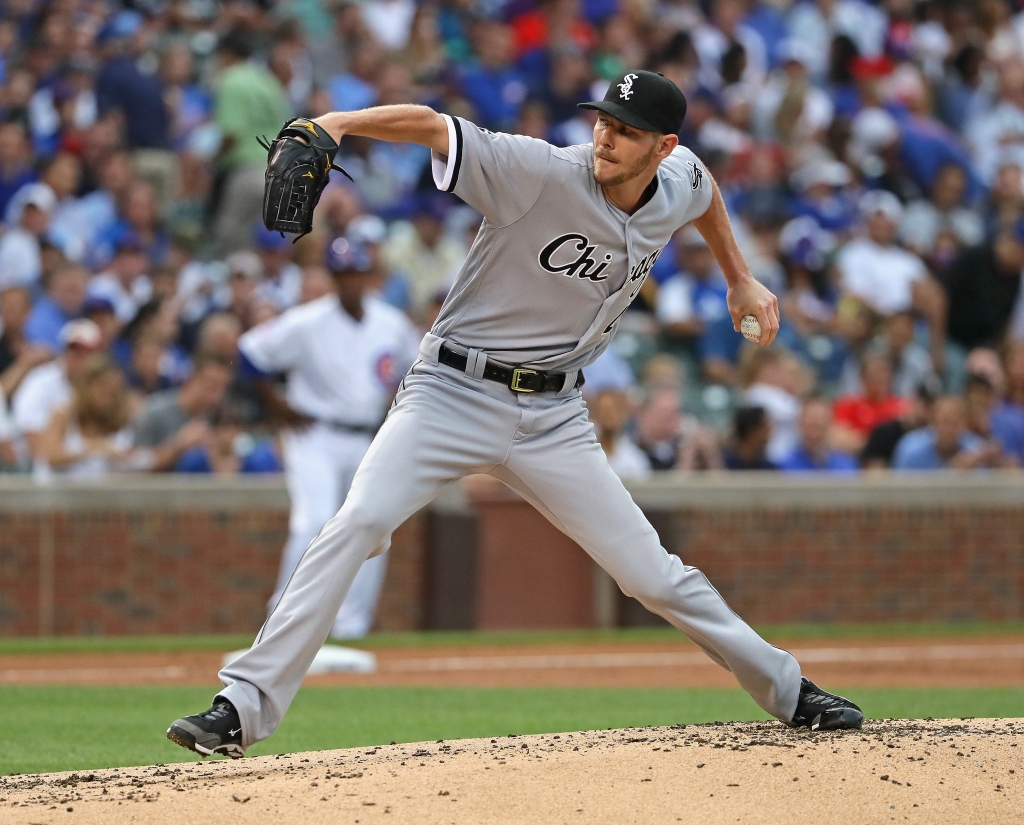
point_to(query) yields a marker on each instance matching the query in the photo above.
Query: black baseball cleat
(818, 710)
(217, 730)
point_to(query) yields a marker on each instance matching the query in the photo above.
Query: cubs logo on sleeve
(386, 369)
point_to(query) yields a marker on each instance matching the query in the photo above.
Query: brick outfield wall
(206, 564)
(145, 573)
(157, 556)
(944, 564)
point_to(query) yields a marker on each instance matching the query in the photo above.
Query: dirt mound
(903, 771)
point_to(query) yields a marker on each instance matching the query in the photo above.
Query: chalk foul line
(671, 659)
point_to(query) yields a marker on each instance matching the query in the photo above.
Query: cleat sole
(186, 740)
(839, 719)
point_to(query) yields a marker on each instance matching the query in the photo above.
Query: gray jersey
(554, 264)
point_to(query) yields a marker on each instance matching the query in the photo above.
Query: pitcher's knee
(368, 520)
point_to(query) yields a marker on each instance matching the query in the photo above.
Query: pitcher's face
(621, 152)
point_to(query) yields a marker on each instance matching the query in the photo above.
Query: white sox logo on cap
(626, 86)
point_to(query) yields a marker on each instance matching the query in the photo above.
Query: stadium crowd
(871, 155)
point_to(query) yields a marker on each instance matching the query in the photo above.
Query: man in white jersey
(344, 355)
(567, 239)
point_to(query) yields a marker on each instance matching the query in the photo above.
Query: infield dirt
(892, 771)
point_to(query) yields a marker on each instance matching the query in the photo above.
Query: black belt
(517, 379)
(341, 426)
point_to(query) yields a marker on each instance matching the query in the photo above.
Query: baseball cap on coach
(344, 255)
(644, 100)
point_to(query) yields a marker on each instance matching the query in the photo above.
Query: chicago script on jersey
(556, 257)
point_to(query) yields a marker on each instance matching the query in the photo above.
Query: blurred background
(872, 158)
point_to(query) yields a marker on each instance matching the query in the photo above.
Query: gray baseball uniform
(552, 269)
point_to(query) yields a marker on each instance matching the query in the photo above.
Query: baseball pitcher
(568, 237)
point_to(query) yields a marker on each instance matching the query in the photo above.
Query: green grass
(460, 638)
(74, 728)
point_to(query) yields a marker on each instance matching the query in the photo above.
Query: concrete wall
(162, 554)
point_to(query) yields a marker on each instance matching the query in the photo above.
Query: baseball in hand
(750, 328)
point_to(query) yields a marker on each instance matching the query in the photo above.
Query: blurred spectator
(1013, 364)
(857, 415)
(926, 144)
(816, 23)
(389, 21)
(219, 334)
(17, 356)
(946, 444)
(493, 84)
(775, 381)
(609, 410)
(881, 444)
(1007, 433)
(249, 102)
(789, 108)
(331, 50)
(177, 417)
(89, 226)
(230, 450)
(17, 359)
(809, 302)
(147, 349)
(822, 195)
(813, 451)
(188, 103)
(983, 285)
(65, 294)
(938, 227)
(691, 305)
(101, 312)
(28, 215)
(244, 273)
(90, 437)
(1002, 125)
(48, 387)
(15, 160)
(751, 432)
(719, 36)
(136, 97)
(910, 363)
(1006, 197)
(124, 283)
(423, 254)
(887, 278)
(671, 440)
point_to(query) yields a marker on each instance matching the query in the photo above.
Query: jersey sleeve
(275, 345)
(499, 175)
(688, 167)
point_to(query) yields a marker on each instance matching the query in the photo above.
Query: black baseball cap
(644, 100)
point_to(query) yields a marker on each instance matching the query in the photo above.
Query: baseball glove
(299, 164)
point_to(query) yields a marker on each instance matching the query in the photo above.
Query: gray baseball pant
(445, 425)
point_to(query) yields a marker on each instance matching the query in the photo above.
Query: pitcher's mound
(899, 771)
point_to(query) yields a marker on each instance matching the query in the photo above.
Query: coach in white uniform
(344, 355)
